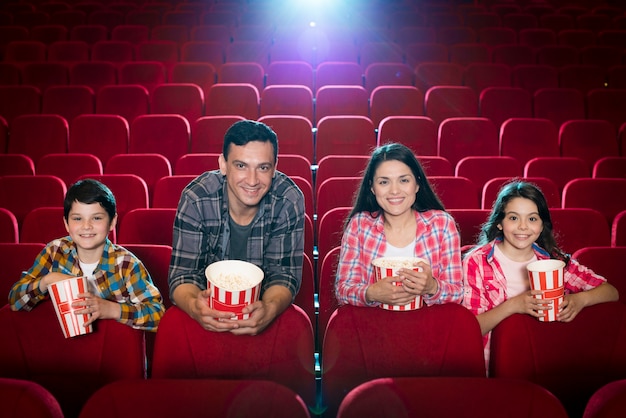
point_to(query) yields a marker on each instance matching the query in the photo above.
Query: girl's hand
(570, 307)
(526, 303)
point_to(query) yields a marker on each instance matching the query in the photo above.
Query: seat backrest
(45, 74)
(69, 167)
(481, 75)
(185, 99)
(388, 74)
(618, 230)
(481, 169)
(336, 192)
(38, 135)
(330, 229)
(16, 193)
(558, 169)
(167, 190)
(241, 99)
(576, 228)
(391, 100)
(287, 100)
(128, 101)
(168, 135)
(502, 103)
(294, 132)
(416, 132)
(100, 135)
(610, 166)
(588, 139)
(196, 164)
(456, 192)
(532, 77)
(43, 224)
(68, 101)
(334, 165)
(605, 104)
(605, 195)
(149, 166)
(207, 133)
(469, 223)
(19, 100)
(71, 369)
(156, 259)
(364, 343)
(338, 73)
(605, 261)
(608, 401)
(24, 398)
(93, 74)
(242, 72)
(526, 138)
(344, 135)
(290, 72)
(305, 298)
(427, 396)
(17, 258)
(148, 74)
(193, 397)
(202, 74)
(282, 353)
(147, 226)
(465, 136)
(435, 73)
(9, 231)
(524, 348)
(443, 102)
(558, 104)
(341, 100)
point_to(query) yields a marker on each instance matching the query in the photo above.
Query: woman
(396, 213)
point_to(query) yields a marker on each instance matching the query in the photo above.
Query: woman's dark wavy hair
(365, 201)
(509, 191)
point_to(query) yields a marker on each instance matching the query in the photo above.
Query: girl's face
(89, 225)
(521, 226)
(395, 187)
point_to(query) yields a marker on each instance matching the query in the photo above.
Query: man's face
(249, 172)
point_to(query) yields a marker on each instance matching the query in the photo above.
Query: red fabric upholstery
(149, 73)
(607, 262)
(15, 258)
(558, 169)
(21, 398)
(71, 369)
(239, 99)
(364, 343)
(334, 165)
(147, 226)
(38, 135)
(19, 100)
(295, 134)
(558, 104)
(462, 137)
(341, 100)
(456, 192)
(429, 397)
(352, 135)
(167, 190)
(168, 135)
(207, 133)
(93, 74)
(127, 100)
(480, 169)
(434, 72)
(326, 291)
(243, 72)
(69, 167)
(12, 164)
(550, 354)
(287, 100)
(469, 222)
(589, 140)
(480, 75)
(608, 402)
(290, 72)
(195, 399)
(576, 228)
(618, 230)
(100, 135)
(416, 132)
(502, 103)
(185, 99)
(305, 298)
(9, 231)
(547, 186)
(338, 73)
(443, 102)
(43, 224)
(388, 74)
(605, 195)
(16, 193)
(330, 229)
(526, 138)
(532, 77)
(395, 100)
(202, 74)
(336, 192)
(68, 101)
(610, 166)
(149, 166)
(283, 352)
(156, 258)
(196, 164)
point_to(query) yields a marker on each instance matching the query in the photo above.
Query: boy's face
(89, 225)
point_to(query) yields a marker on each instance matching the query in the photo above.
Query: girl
(396, 213)
(519, 231)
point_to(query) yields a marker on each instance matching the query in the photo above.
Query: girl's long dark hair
(365, 201)
(509, 191)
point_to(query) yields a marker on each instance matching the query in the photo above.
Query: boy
(120, 287)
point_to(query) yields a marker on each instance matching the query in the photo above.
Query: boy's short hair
(90, 191)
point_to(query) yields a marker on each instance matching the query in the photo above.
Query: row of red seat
(448, 344)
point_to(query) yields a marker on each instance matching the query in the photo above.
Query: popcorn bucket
(389, 266)
(63, 293)
(234, 284)
(547, 275)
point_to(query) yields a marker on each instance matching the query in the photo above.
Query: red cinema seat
(156, 259)
(605, 195)
(12, 164)
(480, 169)
(558, 169)
(341, 100)
(16, 193)
(295, 134)
(68, 101)
(287, 100)
(443, 102)
(9, 231)
(177, 98)
(242, 72)
(456, 192)
(618, 230)
(548, 187)
(100, 135)
(341, 135)
(588, 140)
(395, 101)
(608, 401)
(464, 136)
(147, 226)
(148, 74)
(129, 101)
(93, 74)
(167, 190)
(17, 258)
(207, 133)
(605, 261)
(610, 166)
(38, 135)
(559, 104)
(69, 167)
(149, 166)
(240, 99)
(202, 74)
(19, 100)
(527, 138)
(576, 228)
(416, 132)
(24, 398)
(168, 135)
(44, 224)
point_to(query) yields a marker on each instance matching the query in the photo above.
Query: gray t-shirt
(239, 240)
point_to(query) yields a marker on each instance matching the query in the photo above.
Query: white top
(515, 273)
(88, 269)
(407, 251)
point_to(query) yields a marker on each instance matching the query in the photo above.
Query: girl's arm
(573, 303)
(523, 303)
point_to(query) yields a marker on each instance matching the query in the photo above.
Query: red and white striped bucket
(234, 284)
(388, 267)
(63, 293)
(547, 275)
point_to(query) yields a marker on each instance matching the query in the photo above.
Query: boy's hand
(50, 278)
(97, 308)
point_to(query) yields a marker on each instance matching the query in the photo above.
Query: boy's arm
(143, 307)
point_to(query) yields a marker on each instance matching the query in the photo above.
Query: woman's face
(395, 187)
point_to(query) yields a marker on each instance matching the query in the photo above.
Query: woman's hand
(419, 282)
(389, 290)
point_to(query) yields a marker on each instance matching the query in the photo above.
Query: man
(249, 211)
